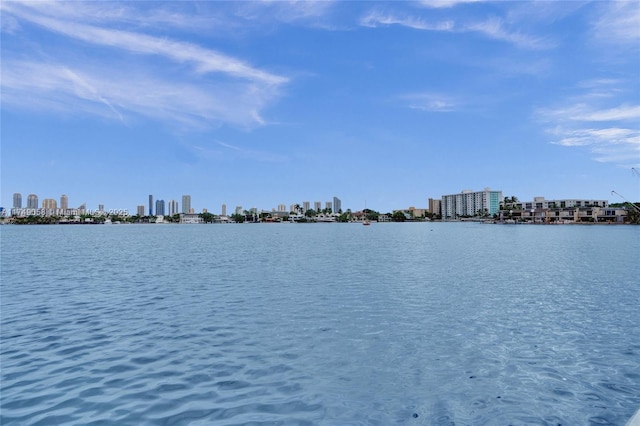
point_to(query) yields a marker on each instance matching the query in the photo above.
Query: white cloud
(442, 4)
(199, 86)
(611, 133)
(618, 22)
(374, 19)
(431, 102)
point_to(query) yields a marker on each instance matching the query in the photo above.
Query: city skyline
(261, 103)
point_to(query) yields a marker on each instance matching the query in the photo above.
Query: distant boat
(366, 221)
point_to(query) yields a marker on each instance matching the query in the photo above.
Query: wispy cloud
(618, 22)
(443, 4)
(493, 28)
(203, 86)
(431, 102)
(255, 155)
(611, 133)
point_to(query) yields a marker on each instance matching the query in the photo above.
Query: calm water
(327, 324)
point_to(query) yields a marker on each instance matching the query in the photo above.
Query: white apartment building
(470, 203)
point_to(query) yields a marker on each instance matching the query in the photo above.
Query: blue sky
(273, 102)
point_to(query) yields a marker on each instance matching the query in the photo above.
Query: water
(327, 324)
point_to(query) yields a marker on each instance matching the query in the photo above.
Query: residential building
(541, 203)
(282, 208)
(337, 205)
(160, 208)
(17, 200)
(186, 203)
(434, 206)
(470, 203)
(317, 205)
(238, 210)
(190, 218)
(32, 201)
(224, 210)
(49, 204)
(64, 202)
(172, 207)
(150, 205)
(140, 210)
(305, 206)
(328, 205)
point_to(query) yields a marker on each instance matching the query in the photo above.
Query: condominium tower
(32, 201)
(17, 200)
(186, 204)
(469, 203)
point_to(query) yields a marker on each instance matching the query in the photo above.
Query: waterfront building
(140, 210)
(32, 201)
(470, 203)
(17, 200)
(150, 205)
(317, 205)
(224, 210)
(434, 206)
(337, 205)
(282, 208)
(190, 218)
(49, 204)
(238, 210)
(64, 202)
(160, 208)
(327, 205)
(172, 207)
(186, 203)
(306, 205)
(541, 203)
(101, 207)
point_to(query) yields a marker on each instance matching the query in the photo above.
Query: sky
(257, 104)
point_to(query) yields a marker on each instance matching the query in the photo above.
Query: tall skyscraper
(32, 201)
(17, 200)
(64, 202)
(317, 205)
(140, 210)
(173, 207)
(337, 205)
(224, 210)
(305, 206)
(49, 204)
(186, 203)
(160, 208)
(100, 207)
(327, 205)
(150, 205)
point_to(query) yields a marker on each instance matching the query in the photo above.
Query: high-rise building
(49, 204)
(160, 208)
(238, 209)
(224, 210)
(469, 203)
(305, 206)
(186, 203)
(434, 206)
(100, 207)
(327, 205)
(17, 200)
(317, 205)
(150, 205)
(32, 201)
(173, 207)
(64, 202)
(140, 210)
(337, 205)
(282, 208)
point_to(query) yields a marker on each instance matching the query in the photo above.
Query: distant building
(101, 207)
(541, 203)
(224, 210)
(140, 210)
(186, 203)
(327, 205)
(172, 207)
(306, 205)
(190, 218)
(238, 210)
(64, 202)
(17, 200)
(32, 201)
(337, 205)
(434, 206)
(470, 203)
(282, 208)
(49, 204)
(150, 205)
(317, 205)
(160, 208)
